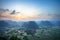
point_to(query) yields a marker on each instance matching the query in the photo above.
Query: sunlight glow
(25, 10)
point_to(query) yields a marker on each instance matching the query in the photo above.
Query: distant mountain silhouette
(31, 25)
(45, 24)
(9, 23)
(3, 24)
(56, 23)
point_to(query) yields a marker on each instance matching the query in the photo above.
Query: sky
(30, 9)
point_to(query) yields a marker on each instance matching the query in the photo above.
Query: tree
(14, 38)
(2, 38)
(25, 38)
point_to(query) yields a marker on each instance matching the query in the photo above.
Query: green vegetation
(31, 31)
(14, 38)
(41, 34)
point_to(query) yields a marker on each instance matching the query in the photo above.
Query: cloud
(6, 15)
(13, 12)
